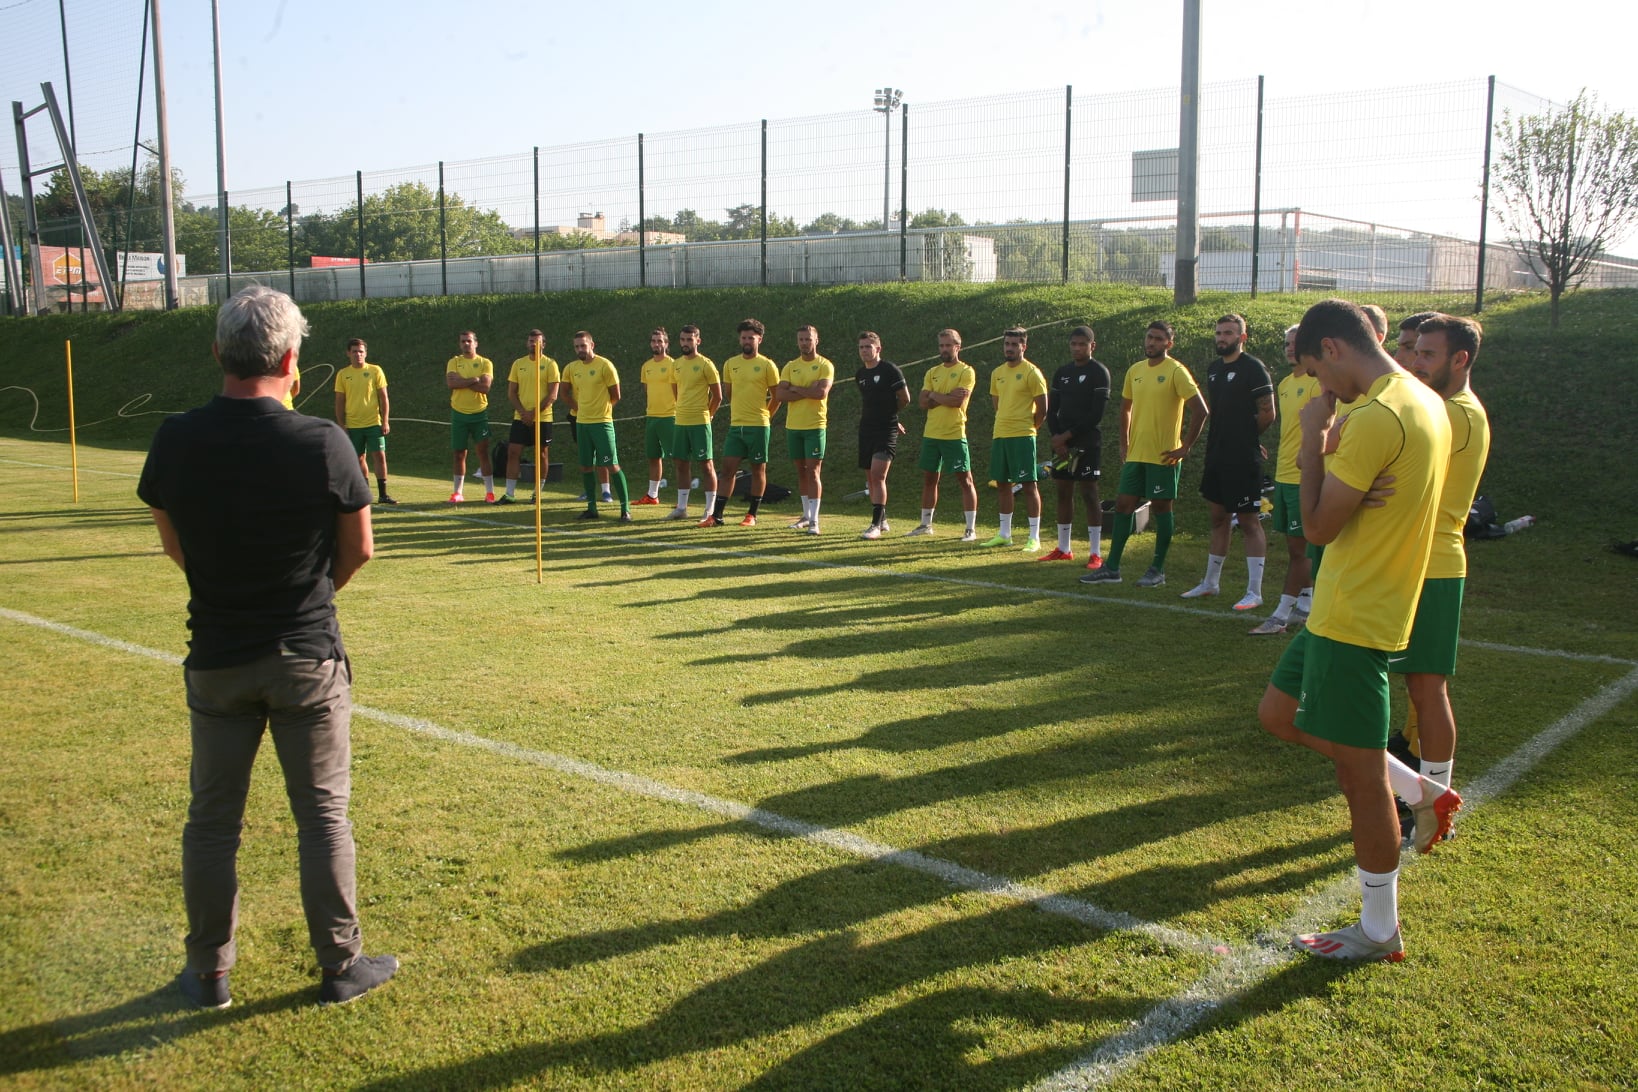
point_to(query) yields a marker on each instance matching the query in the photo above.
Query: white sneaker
(969, 536)
(1201, 590)
(886, 527)
(813, 529)
(802, 524)
(1249, 601)
(919, 530)
(872, 533)
(677, 513)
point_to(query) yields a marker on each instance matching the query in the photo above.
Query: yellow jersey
(468, 400)
(696, 375)
(1295, 392)
(1017, 386)
(658, 377)
(751, 380)
(809, 413)
(948, 422)
(1469, 449)
(592, 380)
(361, 385)
(532, 380)
(1158, 392)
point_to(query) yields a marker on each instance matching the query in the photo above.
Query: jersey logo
(1083, 379)
(1160, 379)
(1231, 377)
(878, 379)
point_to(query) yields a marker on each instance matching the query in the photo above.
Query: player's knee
(1277, 713)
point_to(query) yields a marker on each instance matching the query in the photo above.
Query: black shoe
(506, 498)
(625, 517)
(361, 976)
(590, 513)
(205, 991)
(386, 500)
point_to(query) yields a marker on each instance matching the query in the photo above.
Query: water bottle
(1513, 526)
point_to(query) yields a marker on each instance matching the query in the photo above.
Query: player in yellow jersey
(593, 392)
(945, 392)
(1296, 597)
(1446, 347)
(362, 409)
(1153, 398)
(289, 398)
(804, 384)
(468, 377)
(531, 387)
(1330, 689)
(1018, 392)
(699, 396)
(659, 380)
(748, 382)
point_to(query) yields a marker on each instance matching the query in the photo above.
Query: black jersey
(1076, 400)
(879, 389)
(1233, 391)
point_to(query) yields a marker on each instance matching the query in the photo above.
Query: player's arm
(1125, 427)
(713, 399)
(927, 399)
(341, 409)
(568, 400)
(903, 396)
(1040, 409)
(168, 540)
(483, 383)
(728, 393)
(355, 544)
(815, 390)
(1198, 412)
(385, 405)
(454, 382)
(1265, 412)
(614, 395)
(516, 399)
(551, 395)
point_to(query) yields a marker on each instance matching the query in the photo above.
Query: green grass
(560, 931)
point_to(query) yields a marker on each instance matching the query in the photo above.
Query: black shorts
(524, 435)
(1238, 486)
(877, 443)
(1085, 466)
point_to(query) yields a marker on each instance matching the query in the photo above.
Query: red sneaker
(1056, 555)
(1095, 562)
(645, 499)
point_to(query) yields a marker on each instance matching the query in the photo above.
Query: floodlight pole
(224, 245)
(887, 100)
(167, 207)
(1185, 281)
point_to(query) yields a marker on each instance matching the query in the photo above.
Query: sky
(316, 90)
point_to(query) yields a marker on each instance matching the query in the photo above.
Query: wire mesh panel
(831, 178)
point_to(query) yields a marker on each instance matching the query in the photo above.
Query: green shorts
(1341, 689)
(368, 438)
(750, 442)
(467, 429)
(1316, 554)
(657, 437)
(1149, 481)
(1435, 632)
(596, 441)
(805, 444)
(1012, 459)
(941, 456)
(691, 443)
(1288, 509)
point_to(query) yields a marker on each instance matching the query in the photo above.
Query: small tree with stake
(1568, 188)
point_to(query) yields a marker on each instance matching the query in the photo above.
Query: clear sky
(318, 89)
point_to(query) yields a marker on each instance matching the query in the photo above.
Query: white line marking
(1248, 965)
(634, 784)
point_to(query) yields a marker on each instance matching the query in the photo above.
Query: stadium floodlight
(887, 101)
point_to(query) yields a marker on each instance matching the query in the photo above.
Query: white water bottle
(1513, 526)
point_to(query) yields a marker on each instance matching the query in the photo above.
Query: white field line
(634, 784)
(1247, 965)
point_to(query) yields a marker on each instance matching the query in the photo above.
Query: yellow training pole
(73, 446)
(534, 356)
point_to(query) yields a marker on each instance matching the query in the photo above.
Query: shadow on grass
(135, 1026)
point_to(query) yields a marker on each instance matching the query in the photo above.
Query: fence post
(290, 235)
(1484, 198)
(642, 214)
(363, 291)
(1257, 194)
(443, 233)
(904, 189)
(537, 219)
(764, 202)
(1069, 99)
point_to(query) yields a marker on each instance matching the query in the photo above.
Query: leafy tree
(1568, 187)
(936, 218)
(828, 223)
(401, 224)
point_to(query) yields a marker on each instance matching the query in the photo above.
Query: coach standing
(268, 514)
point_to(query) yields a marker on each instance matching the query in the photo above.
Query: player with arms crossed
(748, 381)
(531, 387)
(468, 377)
(882, 394)
(699, 395)
(659, 379)
(945, 391)
(1019, 393)
(804, 384)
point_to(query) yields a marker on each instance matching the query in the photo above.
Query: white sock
(814, 514)
(1006, 525)
(1379, 904)
(1254, 582)
(1282, 613)
(927, 517)
(1094, 538)
(511, 486)
(459, 478)
(1035, 528)
(489, 483)
(654, 489)
(682, 500)
(710, 502)
(1214, 570)
(971, 516)
(1406, 783)
(1065, 532)
(1438, 771)
(805, 507)
(1305, 600)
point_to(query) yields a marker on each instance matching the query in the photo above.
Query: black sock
(878, 512)
(756, 502)
(382, 483)
(722, 505)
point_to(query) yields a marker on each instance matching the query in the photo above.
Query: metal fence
(1375, 191)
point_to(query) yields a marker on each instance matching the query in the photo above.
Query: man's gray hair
(255, 329)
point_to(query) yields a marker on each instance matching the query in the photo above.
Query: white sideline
(852, 844)
(1247, 965)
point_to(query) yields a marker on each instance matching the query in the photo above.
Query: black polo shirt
(253, 490)
(1232, 393)
(1076, 401)
(879, 396)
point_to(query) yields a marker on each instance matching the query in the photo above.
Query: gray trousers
(308, 704)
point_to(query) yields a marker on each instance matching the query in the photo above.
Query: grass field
(740, 809)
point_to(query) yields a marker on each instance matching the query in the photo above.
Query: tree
(1567, 185)
(936, 218)
(401, 225)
